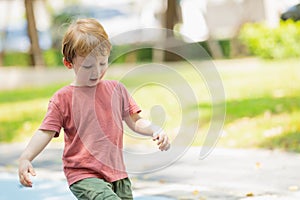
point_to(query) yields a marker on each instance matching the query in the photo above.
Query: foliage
(52, 58)
(225, 47)
(123, 54)
(16, 59)
(272, 43)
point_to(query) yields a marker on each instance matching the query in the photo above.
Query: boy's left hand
(163, 140)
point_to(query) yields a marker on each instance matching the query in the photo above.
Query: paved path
(15, 77)
(18, 77)
(229, 174)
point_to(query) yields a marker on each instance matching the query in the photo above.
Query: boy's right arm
(37, 143)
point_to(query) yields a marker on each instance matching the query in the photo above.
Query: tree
(8, 9)
(171, 18)
(35, 50)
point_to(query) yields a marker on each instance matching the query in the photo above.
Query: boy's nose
(94, 74)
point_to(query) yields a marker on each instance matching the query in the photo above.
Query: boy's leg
(93, 188)
(123, 189)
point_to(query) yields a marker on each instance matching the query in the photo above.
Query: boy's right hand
(25, 168)
(163, 140)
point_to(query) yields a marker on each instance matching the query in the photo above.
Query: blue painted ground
(44, 190)
(41, 190)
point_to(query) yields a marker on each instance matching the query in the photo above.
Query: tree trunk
(35, 51)
(170, 21)
(215, 48)
(2, 38)
(8, 9)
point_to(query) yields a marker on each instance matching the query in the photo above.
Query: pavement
(231, 174)
(14, 77)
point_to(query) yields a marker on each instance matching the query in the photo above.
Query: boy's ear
(67, 63)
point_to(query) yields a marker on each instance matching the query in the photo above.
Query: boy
(90, 111)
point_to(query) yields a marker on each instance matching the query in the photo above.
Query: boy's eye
(102, 64)
(87, 67)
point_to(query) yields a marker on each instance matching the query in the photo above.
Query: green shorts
(98, 189)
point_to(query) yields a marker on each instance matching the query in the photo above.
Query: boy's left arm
(144, 127)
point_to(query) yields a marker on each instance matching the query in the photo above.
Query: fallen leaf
(162, 181)
(249, 194)
(195, 192)
(257, 165)
(293, 188)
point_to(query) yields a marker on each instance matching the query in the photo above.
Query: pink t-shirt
(92, 121)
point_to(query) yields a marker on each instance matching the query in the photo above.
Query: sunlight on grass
(284, 136)
(263, 104)
(29, 93)
(20, 119)
(262, 131)
(17, 110)
(161, 106)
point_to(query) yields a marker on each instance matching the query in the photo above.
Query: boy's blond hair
(83, 37)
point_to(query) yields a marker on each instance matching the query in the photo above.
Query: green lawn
(262, 104)
(22, 110)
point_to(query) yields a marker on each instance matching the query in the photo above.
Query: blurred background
(253, 43)
(31, 30)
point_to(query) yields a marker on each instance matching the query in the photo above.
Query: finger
(161, 139)
(27, 178)
(32, 171)
(25, 181)
(165, 147)
(164, 144)
(168, 147)
(155, 137)
(26, 184)
(166, 141)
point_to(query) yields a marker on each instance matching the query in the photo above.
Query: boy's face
(89, 70)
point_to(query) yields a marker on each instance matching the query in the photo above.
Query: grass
(28, 94)
(262, 104)
(22, 110)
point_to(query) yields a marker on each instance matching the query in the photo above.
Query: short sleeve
(129, 105)
(53, 120)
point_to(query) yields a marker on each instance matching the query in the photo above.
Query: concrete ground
(231, 174)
